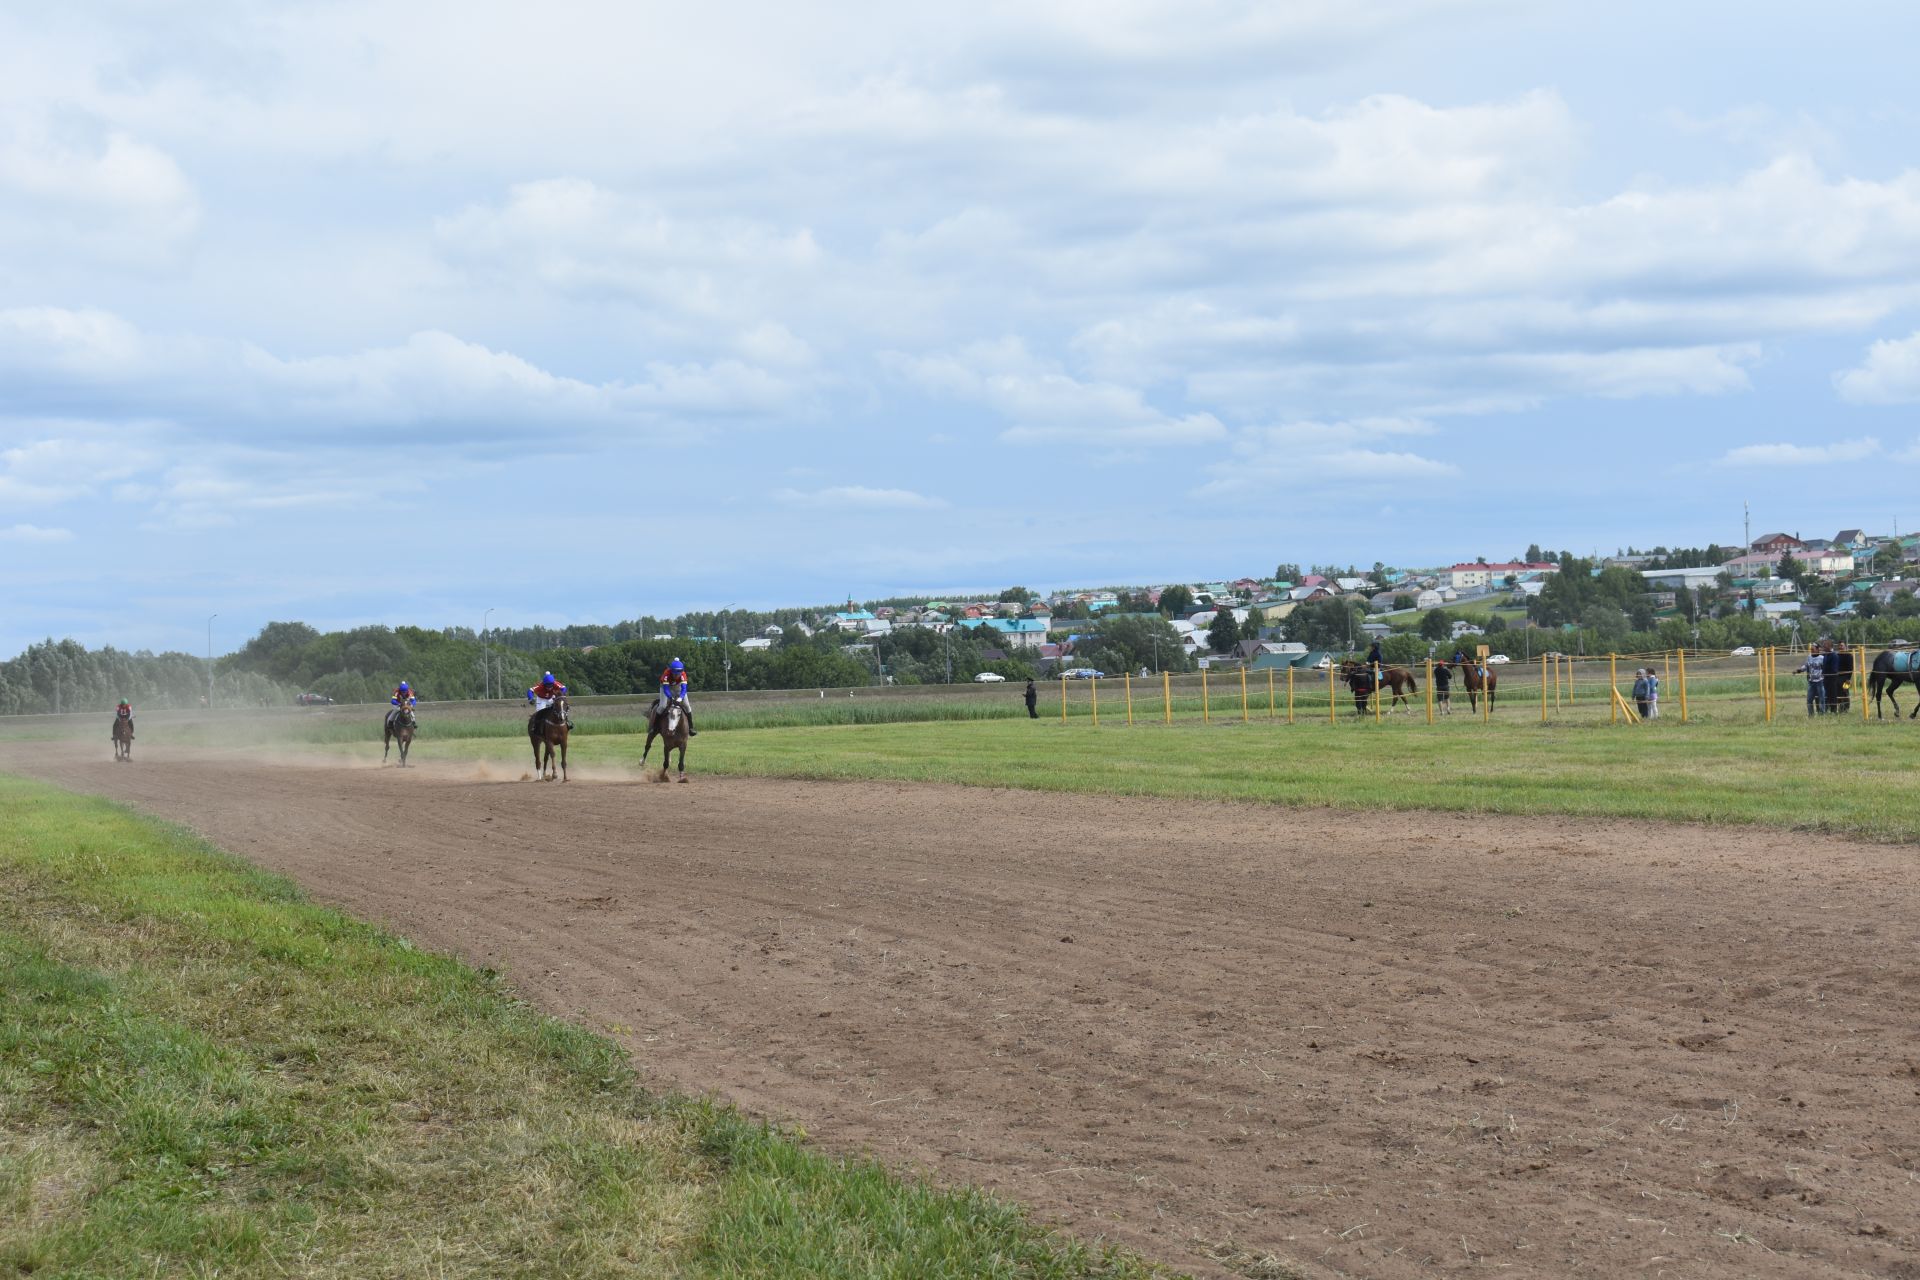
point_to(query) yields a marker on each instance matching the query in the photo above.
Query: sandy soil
(1380, 1046)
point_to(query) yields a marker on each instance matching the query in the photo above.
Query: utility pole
(210, 619)
(486, 654)
(1746, 524)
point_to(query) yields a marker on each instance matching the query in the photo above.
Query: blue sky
(367, 313)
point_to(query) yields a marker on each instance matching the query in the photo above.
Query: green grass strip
(203, 1074)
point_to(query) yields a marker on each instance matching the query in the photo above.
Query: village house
(1477, 576)
(1776, 543)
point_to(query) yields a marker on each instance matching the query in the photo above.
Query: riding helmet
(547, 678)
(679, 665)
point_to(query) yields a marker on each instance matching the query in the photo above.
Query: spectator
(1443, 687)
(1033, 701)
(1642, 694)
(1838, 677)
(1653, 694)
(1815, 669)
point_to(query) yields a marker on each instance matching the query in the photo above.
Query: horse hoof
(683, 777)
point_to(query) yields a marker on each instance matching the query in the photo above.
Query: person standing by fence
(1642, 695)
(1653, 694)
(1838, 677)
(1815, 668)
(1033, 702)
(1443, 687)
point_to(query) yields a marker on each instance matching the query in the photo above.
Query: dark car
(313, 700)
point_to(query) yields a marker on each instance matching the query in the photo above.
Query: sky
(362, 313)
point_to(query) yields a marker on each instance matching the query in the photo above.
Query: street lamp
(210, 618)
(726, 675)
(486, 655)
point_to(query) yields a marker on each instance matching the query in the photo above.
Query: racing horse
(123, 737)
(1891, 669)
(1475, 676)
(1359, 677)
(547, 728)
(399, 728)
(670, 726)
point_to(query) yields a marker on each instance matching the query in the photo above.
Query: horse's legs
(563, 757)
(648, 749)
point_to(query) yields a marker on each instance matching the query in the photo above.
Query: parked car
(313, 700)
(989, 677)
(1495, 659)
(1085, 673)
(1744, 651)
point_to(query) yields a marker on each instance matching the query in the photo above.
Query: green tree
(1017, 595)
(1436, 625)
(1403, 601)
(1132, 641)
(1790, 568)
(1223, 632)
(1176, 601)
(1325, 624)
(1286, 571)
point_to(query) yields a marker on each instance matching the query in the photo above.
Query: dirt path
(1392, 1046)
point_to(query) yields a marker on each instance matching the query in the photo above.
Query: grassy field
(201, 1074)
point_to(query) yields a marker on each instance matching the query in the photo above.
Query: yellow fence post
(1683, 686)
(1570, 671)
(1332, 718)
(1270, 706)
(1376, 693)
(1859, 690)
(1063, 699)
(1613, 678)
(1126, 678)
(1243, 693)
(1289, 695)
(1206, 699)
(1166, 694)
(1486, 688)
(1543, 688)
(1429, 690)
(1095, 689)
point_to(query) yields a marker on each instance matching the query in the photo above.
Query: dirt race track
(1396, 1045)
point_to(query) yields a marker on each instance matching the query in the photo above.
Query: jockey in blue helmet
(673, 685)
(543, 695)
(403, 696)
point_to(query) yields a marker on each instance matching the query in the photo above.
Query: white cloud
(1889, 375)
(1044, 404)
(1310, 457)
(858, 497)
(1800, 455)
(35, 533)
(116, 198)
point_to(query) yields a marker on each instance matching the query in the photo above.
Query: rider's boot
(691, 731)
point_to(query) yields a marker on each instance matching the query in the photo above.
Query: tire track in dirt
(1381, 1045)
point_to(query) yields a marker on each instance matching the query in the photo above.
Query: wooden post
(1063, 699)
(1243, 693)
(1095, 683)
(1858, 692)
(1206, 699)
(1683, 686)
(1166, 694)
(1376, 693)
(1332, 716)
(1543, 688)
(1126, 678)
(1613, 678)
(1289, 695)
(1270, 708)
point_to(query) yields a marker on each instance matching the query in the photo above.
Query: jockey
(1373, 655)
(403, 696)
(124, 712)
(543, 694)
(673, 685)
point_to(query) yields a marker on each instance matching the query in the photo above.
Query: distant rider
(403, 696)
(673, 685)
(125, 712)
(543, 694)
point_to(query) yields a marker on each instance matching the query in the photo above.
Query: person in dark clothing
(1374, 658)
(1443, 687)
(1033, 701)
(1839, 678)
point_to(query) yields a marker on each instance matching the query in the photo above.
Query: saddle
(1904, 661)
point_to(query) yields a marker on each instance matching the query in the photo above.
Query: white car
(1495, 659)
(1744, 651)
(989, 677)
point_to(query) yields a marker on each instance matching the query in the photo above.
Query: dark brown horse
(400, 727)
(548, 728)
(670, 726)
(1891, 669)
(1359, 677)
(1476, 677)
(123, 737)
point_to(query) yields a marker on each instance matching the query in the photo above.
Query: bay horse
(1474, 676)
(670, 726)
(1359, 677)
(123, 736)
(1891, 669)
(547, 728)
(400, 726)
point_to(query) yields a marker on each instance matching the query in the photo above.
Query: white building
(1468, 577)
